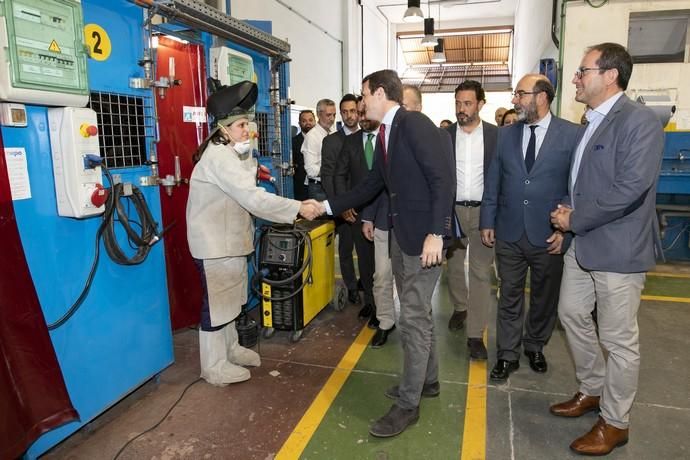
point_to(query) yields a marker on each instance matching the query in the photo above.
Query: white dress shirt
(539, 133)
(311, 149)
(469, 164)
(388, 121)
(594, 118)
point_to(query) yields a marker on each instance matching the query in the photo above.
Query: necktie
(382, 139)
(369, 150)
(531, 147)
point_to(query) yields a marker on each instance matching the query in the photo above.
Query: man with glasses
(528, 175)
(611, 213)
(474, 142)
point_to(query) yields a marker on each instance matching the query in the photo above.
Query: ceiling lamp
(439, 56)
(413, 12)
(429, 40)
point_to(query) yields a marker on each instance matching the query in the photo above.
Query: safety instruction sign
(18, 173)
(193, 114)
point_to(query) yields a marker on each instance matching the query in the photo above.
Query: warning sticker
(54, 47)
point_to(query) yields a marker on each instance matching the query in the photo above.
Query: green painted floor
(344, 431)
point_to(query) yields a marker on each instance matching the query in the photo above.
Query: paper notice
(193, 114)
(15, 157)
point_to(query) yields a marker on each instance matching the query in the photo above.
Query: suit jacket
(330, 150)
(490, 133)
(614, 218)
(517, 202)
(419, 183)
(300, 174)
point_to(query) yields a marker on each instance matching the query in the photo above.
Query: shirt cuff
(328, 208)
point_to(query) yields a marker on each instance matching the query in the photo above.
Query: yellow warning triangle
(54, 47)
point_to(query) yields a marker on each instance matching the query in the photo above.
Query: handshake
(311, 209)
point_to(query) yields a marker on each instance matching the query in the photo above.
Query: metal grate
(125, 123)
(266, 127)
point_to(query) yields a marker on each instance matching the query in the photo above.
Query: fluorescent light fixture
(413, 12)
(439, 56)
(429, 40)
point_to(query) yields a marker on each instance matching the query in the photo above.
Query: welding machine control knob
(282, 257)
(87, 130)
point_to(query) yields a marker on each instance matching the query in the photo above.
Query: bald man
(498, 115)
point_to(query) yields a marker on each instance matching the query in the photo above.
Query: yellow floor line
(669, 275)
(663, 298)
(295, 444)
(474, 433)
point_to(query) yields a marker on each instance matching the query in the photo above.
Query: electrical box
(42, 52)
(78, 187)
(230, 66)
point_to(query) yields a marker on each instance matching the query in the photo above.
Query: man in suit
(330, 151)
(306, 123)
(528, 174)
(611, 213)
(311, 148)
(353, 164)
(474, 143)
(411, 164)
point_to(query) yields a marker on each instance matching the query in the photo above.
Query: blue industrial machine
(673, 196)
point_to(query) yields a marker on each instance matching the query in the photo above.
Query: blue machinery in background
(121, 336)
(673, 196)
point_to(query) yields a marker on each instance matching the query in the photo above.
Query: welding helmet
(230, 103)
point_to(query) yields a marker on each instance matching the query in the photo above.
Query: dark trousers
(315, 191)
(345, 247)
(365, 261)
(513, 260)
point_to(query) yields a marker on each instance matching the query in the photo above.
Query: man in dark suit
(474, 143)
(352, 166)
(330, 150)
(528, 174)
(611, 213)
(411, 164)
(306, 123)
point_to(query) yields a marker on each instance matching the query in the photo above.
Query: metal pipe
(554, 9)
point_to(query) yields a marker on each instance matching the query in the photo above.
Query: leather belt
(469, 204)
(314, 181)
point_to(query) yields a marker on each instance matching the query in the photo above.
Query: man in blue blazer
(412, 164)
(613, 181)
(527, 178)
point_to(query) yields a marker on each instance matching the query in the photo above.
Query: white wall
(586, 26)
(532, 38)
(317, 69)
(379, 41)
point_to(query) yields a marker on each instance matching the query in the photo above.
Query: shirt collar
(478, 130)
(348, 131)
(605, 107)
(375, 132)
(388, 117)
(543, 123)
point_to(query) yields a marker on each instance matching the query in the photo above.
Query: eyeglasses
(518, 94)
(581, 71)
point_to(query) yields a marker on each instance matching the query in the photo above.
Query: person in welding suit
(223, 196)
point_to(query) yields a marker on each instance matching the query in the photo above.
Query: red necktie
(382, 139)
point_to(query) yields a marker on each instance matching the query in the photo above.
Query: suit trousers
(383, 281)
(474, 298)
(365, 261)
(345, 258)
(420, 361)
(617, 297)
(513, 260)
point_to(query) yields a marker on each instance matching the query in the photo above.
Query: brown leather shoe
(577, 405)
(600, 440)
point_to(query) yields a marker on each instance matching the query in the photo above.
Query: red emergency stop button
(87, 130)
(99, 196)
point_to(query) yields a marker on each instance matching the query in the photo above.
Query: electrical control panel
(42, 52)
(230, 66)
(73, 140)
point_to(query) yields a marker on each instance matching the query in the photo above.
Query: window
(659, 36)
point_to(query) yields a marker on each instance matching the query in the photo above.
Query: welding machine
(295, 272)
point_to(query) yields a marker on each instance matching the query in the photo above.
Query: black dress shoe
(360, 286)
(353, 296)
(457, 320)
(373, 321)
(503, 369)
(429, 390)
(394, 422)
(537, 361)
(366, 311)
(380, 337)
(477, 349)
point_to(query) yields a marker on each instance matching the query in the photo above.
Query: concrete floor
(252, 420)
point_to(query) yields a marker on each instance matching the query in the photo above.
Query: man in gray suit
(613, 181)
(527, 177)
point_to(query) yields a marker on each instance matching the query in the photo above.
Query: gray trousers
(617, 297)
(474, 298)
(420, 361)
(513, 260)
(383, 281)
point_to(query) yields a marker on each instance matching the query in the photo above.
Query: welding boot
(237, 354)
(215, 368)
